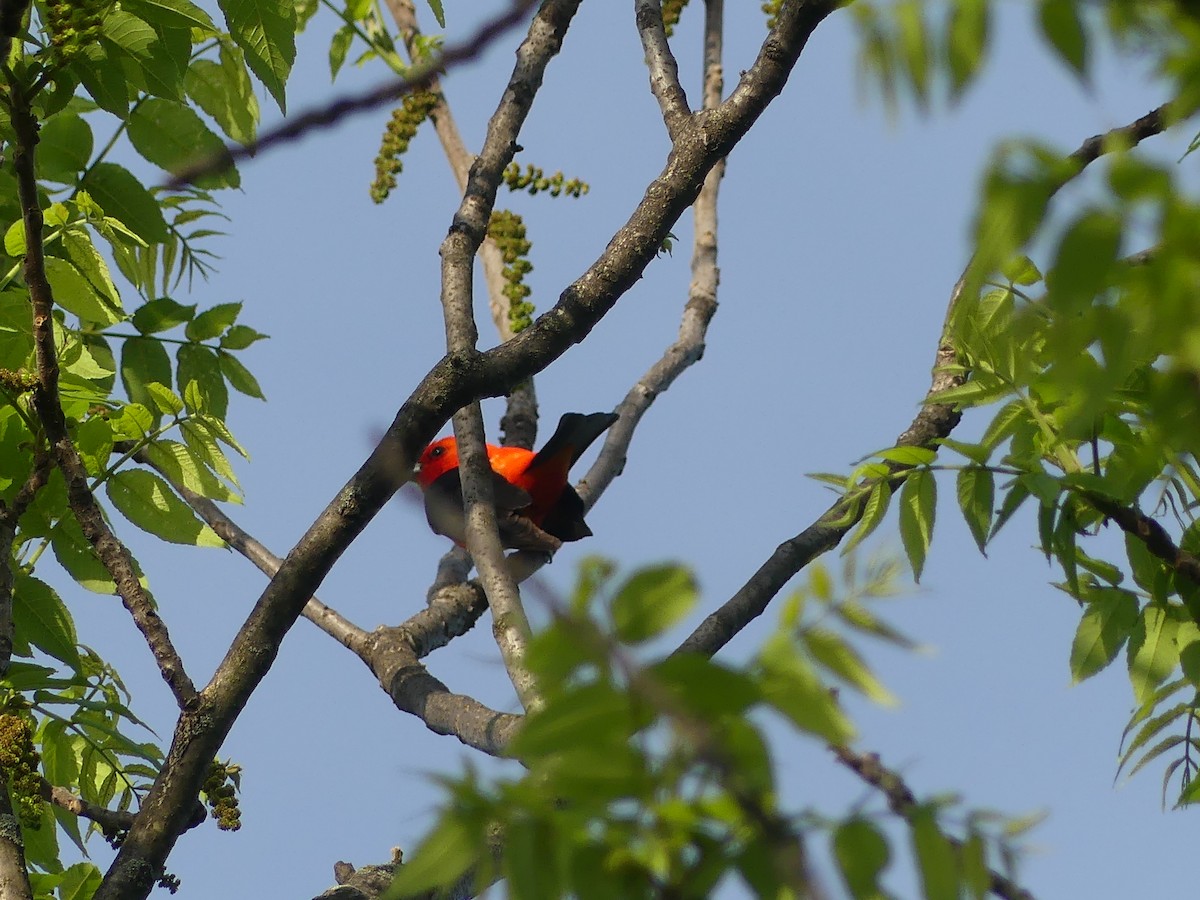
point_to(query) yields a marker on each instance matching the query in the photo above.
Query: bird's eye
(436, 452)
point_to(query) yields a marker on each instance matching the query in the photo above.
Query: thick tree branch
(392, 654)
(903, 802)
(510, 627)
(664, 71)
(454, 382)
(324, 617)
(112, 553)
(934, 421)
(14, 874)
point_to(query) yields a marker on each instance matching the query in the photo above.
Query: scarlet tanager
(536, 507)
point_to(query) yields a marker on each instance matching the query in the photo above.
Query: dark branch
(112, 553)
(902, 802)
(422, 75)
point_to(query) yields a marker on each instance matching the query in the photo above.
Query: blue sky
(842, 232)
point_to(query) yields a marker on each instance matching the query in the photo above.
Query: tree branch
(117, 559)
(664, 71)
(903, 802)
(452, 383)
(14, 873)
(701, 305)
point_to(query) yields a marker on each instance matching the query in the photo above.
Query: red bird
(536, 507)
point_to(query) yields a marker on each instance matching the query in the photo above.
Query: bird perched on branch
(536, 507)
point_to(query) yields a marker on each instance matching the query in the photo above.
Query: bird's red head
(437, 459)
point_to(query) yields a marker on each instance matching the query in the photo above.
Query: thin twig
(422, 74)
(903, 802)
(701, 304)
(933, 422)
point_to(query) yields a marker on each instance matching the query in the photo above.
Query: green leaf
(1152, 652)
(1149, 572)
(122, 196)
(144, 361)
(75, 294)
(14, 239)
(1019, 269)
(180, 466)
(224, 91)
(1085, 260)
(918, 509)
(266, 32)
(597, 713)
(651, 601)
(200, 364)
(170, 13)
(445, 854)
(338, 47)
(75, 553)
(100, 71)
(157, 62)
(874, 510)
(862, 854)
(146, 501)
(841, 660)
(162, 314)
(64, 147)
(239, 337)
(935, 855)
(41, 618)
(174, 138)
(82, 253)
(132, 421)
(1106, 625)
(205, 448)
(1062, 27)
(975, 494)
(212, 322)
(704, 686)
(439, 14)
(907, 456)
(239, 376)
(966, 41)
(81, 880)
(792, 687)
(94, 441)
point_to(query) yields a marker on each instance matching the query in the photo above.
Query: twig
(324, 617)
(664, 72)
(701, 305)
(459, 158)
(903, 802)
(324, 117)
(113, 554)
(1147, 530)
